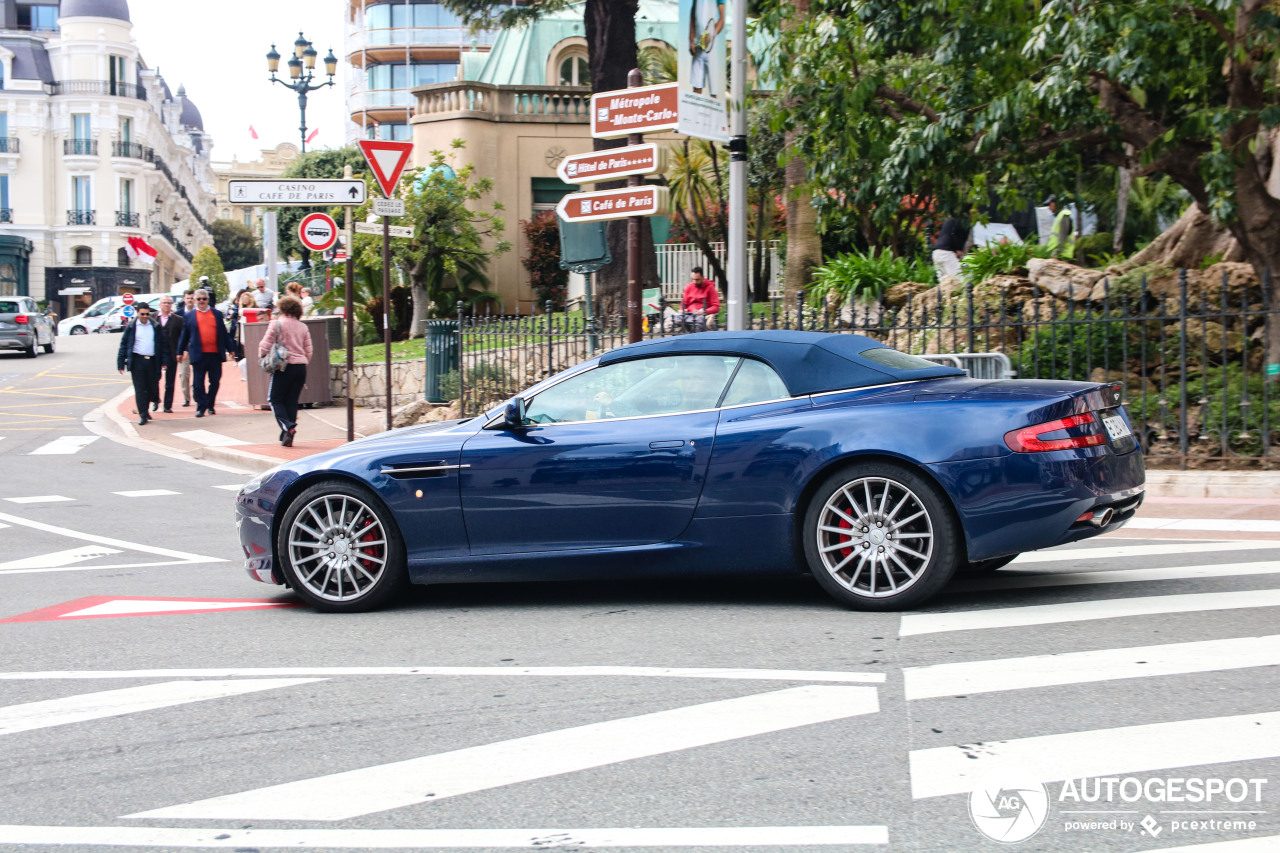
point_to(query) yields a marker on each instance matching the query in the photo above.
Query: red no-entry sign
(318, 231)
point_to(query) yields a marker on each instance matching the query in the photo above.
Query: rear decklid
(1074, 415)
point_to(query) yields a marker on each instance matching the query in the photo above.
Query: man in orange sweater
(206, 344)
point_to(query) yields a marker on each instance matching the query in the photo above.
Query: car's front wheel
(340, 549)
(879, 536)
(79, 330)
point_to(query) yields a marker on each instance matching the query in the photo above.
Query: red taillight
(1028, 440)
(21, 319)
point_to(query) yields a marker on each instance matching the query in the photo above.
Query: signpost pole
(593, 341)
(386, 305)
(634, 321)
(349, 313)
(737, 260)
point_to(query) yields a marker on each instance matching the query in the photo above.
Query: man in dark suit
(170, 324)
(142, 351)
(206, 344)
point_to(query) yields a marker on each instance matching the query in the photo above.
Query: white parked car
(90, 319)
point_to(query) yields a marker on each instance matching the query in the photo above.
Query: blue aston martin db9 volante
(879, 473)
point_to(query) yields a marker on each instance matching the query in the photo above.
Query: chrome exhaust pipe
(1102, 517)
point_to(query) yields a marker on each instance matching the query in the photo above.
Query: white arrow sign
(301, 191)
(376, 228)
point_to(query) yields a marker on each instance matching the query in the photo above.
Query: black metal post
(386, 305)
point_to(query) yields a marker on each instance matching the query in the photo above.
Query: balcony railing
(131, 149)
(561, 104)
(80, 146)
(9, 145)
(6, 215)
(125, 219)
(167, 233)
(82, 217)
(100, 87)
(381, 99)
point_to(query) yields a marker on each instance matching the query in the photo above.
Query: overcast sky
(218, 51)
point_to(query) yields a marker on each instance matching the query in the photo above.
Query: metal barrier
(979, 365)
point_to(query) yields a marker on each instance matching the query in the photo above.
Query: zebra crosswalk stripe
(942, 771)
(354, 793)
(1005, 580)
(1081, 611)
(991, 676)
(65, 445)
(1120, 552)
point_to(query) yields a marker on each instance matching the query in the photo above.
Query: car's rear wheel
(52, 345)
(879, 536)
(983, 567)
(340, 549)
(33, 350)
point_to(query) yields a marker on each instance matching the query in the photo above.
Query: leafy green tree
(542, 236)
(444, 261)
(962, 100)
(207, 262)
(327, 163)
(236, 244)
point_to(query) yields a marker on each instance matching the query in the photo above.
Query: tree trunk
(804, 247)
(1186, 243)
(1122, 203)
(610, 30)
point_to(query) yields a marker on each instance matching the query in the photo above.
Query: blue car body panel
(720, 490)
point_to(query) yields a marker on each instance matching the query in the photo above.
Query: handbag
(277, 358)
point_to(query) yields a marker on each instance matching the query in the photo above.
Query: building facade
(94, 149)
(393, 46)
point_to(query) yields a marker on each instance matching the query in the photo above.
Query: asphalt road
(645, 716)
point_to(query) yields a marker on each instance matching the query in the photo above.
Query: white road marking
(1002, 580)
(1083, 611)
(130, 700)
(132, 607)
(64, 446)
(59, 559)
(232, 404)
(482, 671)
(234, 487)
(1058, 555)
(209, 439)
(990, 676)
(107, 540)
(146, 493)
(1223, 525)
(95, 568)
(340, 796)
(1103, 752)
(437, 839)
(38, 499)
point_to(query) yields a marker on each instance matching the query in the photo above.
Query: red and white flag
(313, 134)
(140, 250)
(253, 133)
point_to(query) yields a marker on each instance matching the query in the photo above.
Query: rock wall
(368, 382)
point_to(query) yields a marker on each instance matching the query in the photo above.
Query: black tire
(911, 540)
(985, 567)
(334, 525)
(79, 330)
(33, 350)
(52, 345)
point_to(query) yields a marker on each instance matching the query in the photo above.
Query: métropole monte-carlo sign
(644, 109)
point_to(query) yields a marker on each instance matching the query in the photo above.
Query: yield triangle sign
(108, 606)
(387, 159)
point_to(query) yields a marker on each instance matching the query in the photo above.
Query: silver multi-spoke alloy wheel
(875, 537)
(879, 537)
(340, 549)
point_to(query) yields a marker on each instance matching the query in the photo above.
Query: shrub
(542, 233)
(865, 275)
(1002, 259)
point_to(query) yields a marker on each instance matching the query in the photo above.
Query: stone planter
(368, 382)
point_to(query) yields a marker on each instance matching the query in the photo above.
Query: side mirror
(513, 415)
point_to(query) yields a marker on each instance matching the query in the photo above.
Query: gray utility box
(317, 387)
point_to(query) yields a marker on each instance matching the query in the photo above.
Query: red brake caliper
(368, 536)
(844, 552)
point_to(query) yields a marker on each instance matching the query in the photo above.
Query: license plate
(1116, 427)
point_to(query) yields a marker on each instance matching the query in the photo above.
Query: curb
(1237, 485)
(253, 462)
(106, 421)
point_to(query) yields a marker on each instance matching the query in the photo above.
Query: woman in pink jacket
(287, 384)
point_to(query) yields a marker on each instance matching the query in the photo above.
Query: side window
(648, 386)
(755, 383)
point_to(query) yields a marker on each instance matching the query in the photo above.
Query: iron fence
(1189, 352)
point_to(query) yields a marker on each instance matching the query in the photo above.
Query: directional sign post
(272, 193)
(374, 228)
(613, 163)
(614, 204)
(387, 159)
(635, 110)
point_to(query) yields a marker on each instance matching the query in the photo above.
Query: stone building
(94, 149)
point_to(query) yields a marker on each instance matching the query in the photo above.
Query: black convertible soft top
(808, 362)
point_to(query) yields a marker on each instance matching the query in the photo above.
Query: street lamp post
(301, 72)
